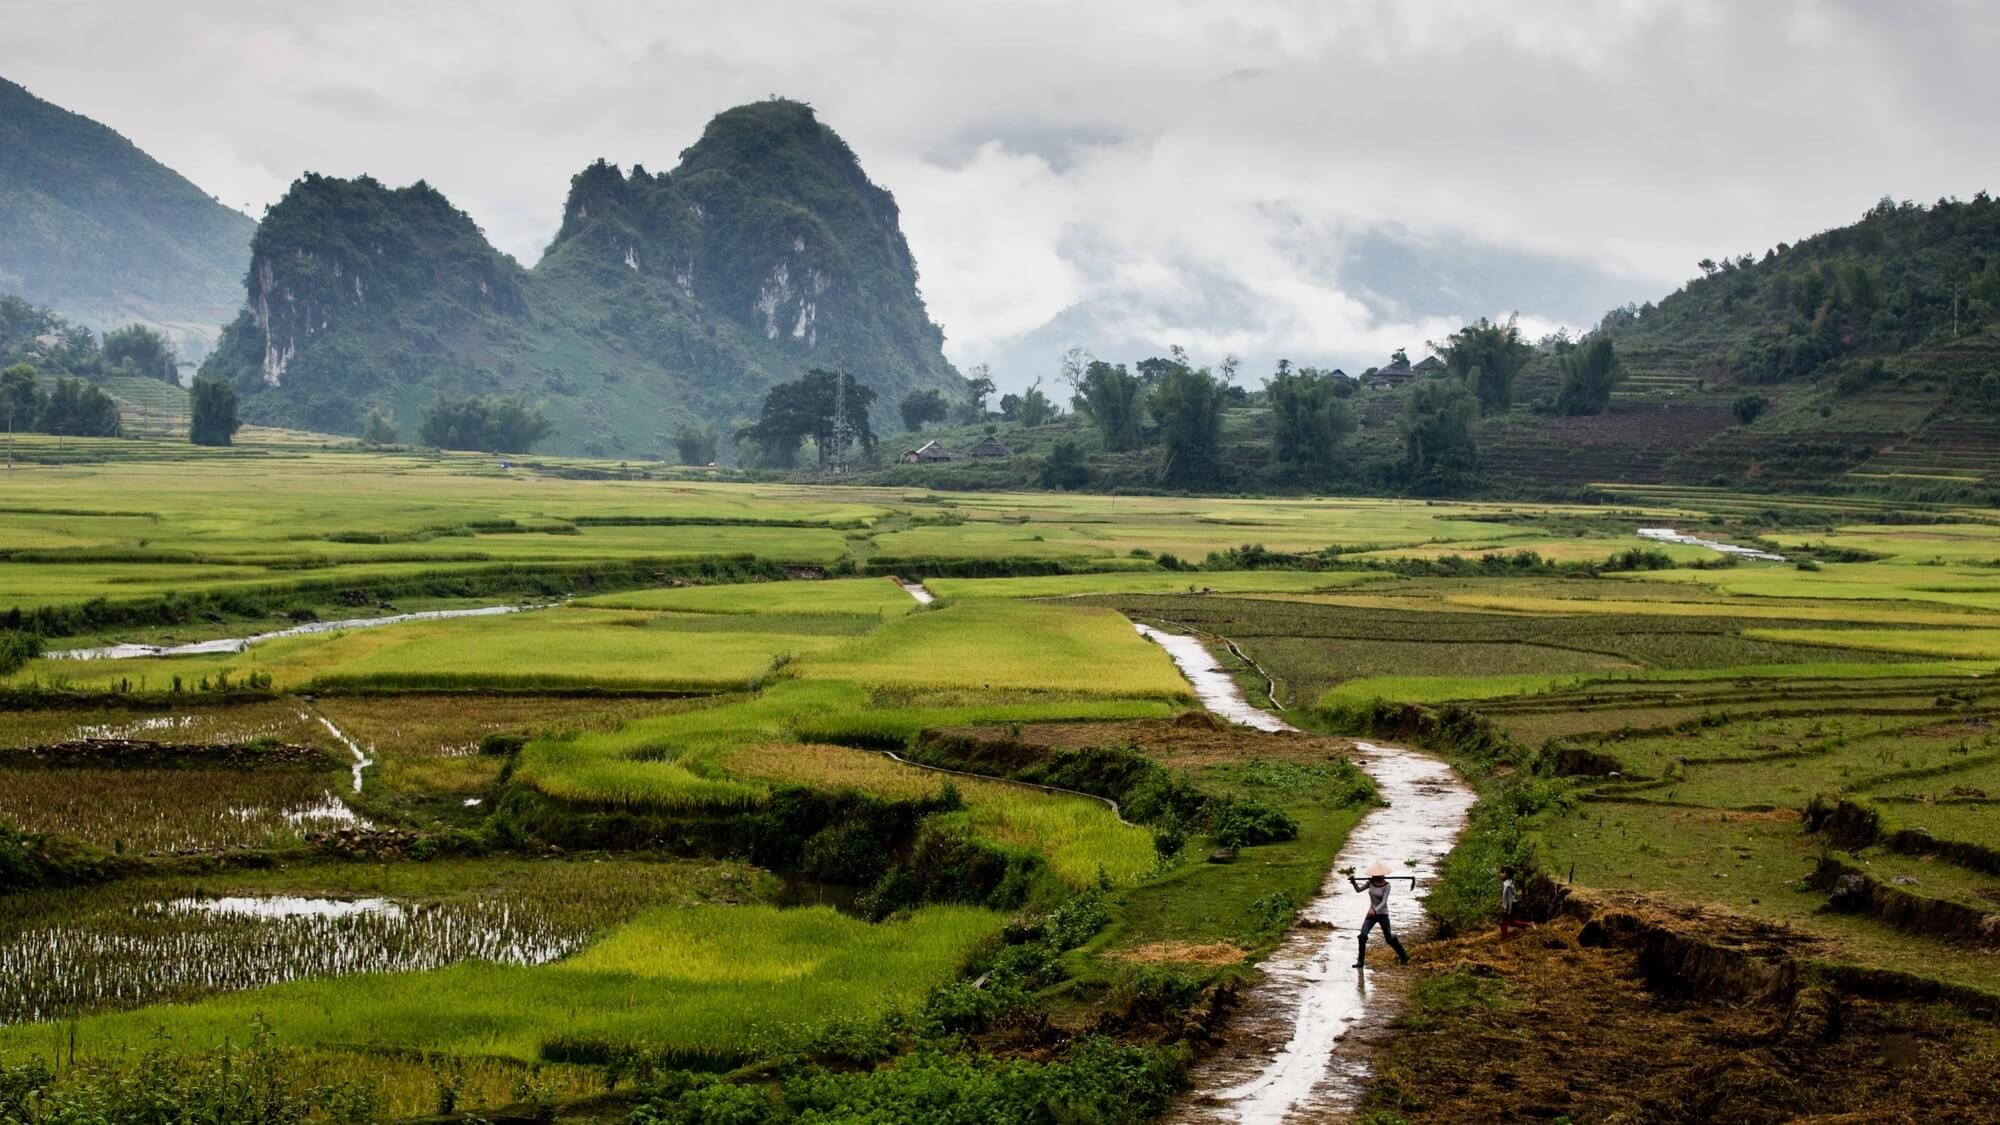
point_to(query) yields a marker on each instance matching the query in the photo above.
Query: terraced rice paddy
(707, 984)
(548, 860)
(173, 949)
(175, 810)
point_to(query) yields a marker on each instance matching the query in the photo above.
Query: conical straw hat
(1377, 868)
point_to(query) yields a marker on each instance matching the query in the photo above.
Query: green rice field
(726, 810)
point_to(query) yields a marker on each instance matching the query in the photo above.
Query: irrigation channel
(225, 645)
(1669, 535)
(1299, 1042)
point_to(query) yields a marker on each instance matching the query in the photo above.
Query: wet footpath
(1299, 1042)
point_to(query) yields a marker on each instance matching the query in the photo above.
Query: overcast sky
(1196, 169)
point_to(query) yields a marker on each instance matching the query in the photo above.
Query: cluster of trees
(378, 427)
(1310, 417)
(1164, 401)
(73, 408)
(925, 407)
(1590, 372)
(827, 407)
(54, 346)
(496, 424)
(212, 418)
(695, 445)
(1168, 404)
(140, 350)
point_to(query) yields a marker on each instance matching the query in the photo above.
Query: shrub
(1247, 823)
(16, 649)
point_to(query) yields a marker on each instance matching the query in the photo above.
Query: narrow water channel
(223, 645)
(1669, 535)
(1299, 1044)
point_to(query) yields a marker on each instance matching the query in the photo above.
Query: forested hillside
(665, 299)
(100, 232)
(1864, 359)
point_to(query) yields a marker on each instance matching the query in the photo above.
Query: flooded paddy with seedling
(71, 953)
(179, 811)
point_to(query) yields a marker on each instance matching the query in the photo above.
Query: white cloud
(1177, 170)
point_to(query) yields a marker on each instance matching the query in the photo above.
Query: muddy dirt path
(1299, 1045)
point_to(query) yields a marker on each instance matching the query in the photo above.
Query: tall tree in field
(1187, 407)
(20, 403)
(1309, 419)
(1030, 408)
(78, 409)
(378, 428)
(1070, 369)
(212, 406)
(490, 425)
(978, 388)
(695, 445)
(1487, 357)
(822, 405)
(922, 407)
(1111, 398)
(1439, 451)
(1065, 467)
(145, 351)
(1590, 372)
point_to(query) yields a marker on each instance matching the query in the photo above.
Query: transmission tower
(843, 430)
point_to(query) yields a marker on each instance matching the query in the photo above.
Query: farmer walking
(1377, 888)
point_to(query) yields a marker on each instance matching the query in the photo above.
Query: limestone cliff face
(664, 297)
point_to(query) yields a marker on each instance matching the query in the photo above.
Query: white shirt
(1378, 898)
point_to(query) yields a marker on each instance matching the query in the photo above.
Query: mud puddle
(1299, 1045)
(917, 591)
(223, 645)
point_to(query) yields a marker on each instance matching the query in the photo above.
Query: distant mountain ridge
(103, 234)
(664, 299)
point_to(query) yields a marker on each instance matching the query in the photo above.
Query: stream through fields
(1299, 1045)
(224, 645)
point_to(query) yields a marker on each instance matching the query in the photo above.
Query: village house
(1394, 375)
(929, 452)
(990, 447)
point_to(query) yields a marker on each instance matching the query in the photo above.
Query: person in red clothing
(1510, 897)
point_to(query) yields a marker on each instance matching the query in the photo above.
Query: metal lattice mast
(843, 429)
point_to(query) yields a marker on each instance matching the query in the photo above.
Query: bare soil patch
(1545, 1025)
(1214, 953)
